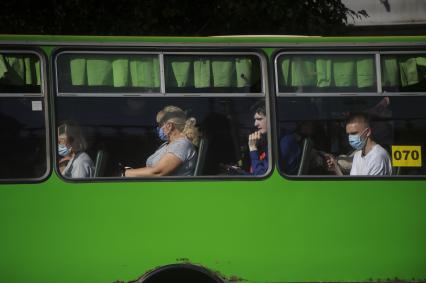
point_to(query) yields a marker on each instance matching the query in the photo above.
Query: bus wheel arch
(180, 272)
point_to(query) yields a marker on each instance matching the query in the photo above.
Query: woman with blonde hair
(177, 155)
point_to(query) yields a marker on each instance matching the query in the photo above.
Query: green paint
(264, 231)
(271, 230)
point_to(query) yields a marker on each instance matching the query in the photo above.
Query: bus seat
(202, 150)
(305, 157)
(100, 163)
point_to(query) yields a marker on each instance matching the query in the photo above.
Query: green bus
(294, 220)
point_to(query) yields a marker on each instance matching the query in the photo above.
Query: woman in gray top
(74, 162)
(177, 155)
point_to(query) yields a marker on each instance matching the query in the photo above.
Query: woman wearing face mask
(74, 162)
(177, 155)
(370, 158)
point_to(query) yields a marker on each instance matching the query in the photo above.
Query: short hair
(359, 117)
(259, 107)
(261, 110)
(74, 136)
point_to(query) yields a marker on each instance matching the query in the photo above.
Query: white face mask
(63, 150)
(356, 141)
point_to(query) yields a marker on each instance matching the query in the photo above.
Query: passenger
(177, 155)
(75, 162)
(257, 142)
(291, 149)
(370, 158)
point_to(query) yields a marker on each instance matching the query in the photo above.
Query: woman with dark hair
(74, 162)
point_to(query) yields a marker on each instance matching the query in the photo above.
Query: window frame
(42, 73)
(377, 51)
(399, 93)
(161, 51)
(43, 95)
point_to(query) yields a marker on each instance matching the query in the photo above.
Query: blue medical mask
(161, 134)
(63, 150)
(356, 141)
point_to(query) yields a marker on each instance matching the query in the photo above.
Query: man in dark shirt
(257, 143)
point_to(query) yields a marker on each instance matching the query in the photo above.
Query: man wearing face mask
(370, 158)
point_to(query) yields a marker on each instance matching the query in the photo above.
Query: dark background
(174, 17)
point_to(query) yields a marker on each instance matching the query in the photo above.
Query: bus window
(125, 129)
(316, 135)
(91, 73)
(22, 117)
(212, 74)
(19, 73)
(326, 73)
(403, 72)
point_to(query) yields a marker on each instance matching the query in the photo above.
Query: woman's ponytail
(191, 131)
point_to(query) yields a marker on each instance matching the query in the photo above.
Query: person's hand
(380, 107)
(124, 170)
(330, 161)
(332, 165)
(253, 140)
(63, 162)
(64, 159)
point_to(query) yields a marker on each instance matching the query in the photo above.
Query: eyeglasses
(62, 139)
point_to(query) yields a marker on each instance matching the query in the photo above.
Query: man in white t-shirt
(370, 158)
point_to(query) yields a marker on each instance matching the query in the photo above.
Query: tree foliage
(174, 17)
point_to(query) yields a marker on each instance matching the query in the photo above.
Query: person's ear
(368, 132)
(169, 126)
